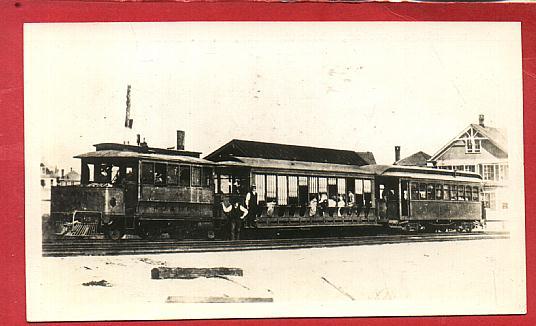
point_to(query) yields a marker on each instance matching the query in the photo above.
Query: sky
(354, 86)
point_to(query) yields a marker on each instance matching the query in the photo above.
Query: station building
(484, 150)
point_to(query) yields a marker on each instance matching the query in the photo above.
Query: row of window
(292, 189)
(472, 145)
(432, 191)
(164, 174)
(467, 168)
(108, 173)
(495, 172)
(489, 172)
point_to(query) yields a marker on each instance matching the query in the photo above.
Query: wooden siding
(67, 199)
(488, 153)
(444, 210)
(177, 194)
(174, 210)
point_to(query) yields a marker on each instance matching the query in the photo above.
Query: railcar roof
(144, 149)
(422, 173)
(293, 165)
(117, 154)
(285, 152)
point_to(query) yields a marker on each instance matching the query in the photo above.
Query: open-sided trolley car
(294, 193)
(308, 194)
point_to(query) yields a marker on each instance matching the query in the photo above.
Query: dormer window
(472, 145)
(472, 140)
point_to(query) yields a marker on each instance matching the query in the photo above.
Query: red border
(14, 14)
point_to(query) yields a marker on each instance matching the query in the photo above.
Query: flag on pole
(128, 120)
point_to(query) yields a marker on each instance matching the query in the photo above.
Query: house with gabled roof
(482, 149)
(417, 159)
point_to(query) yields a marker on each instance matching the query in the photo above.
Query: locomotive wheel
(149, 234)
(211, 235)
(115, 233)
(467, 227)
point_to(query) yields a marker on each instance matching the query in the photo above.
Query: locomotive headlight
(113, 202)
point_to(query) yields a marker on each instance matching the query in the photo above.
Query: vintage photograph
(200, 170)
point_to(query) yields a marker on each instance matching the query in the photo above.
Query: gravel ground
(466, 277)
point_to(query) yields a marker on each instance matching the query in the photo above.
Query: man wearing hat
(235, 214)
(252, 207)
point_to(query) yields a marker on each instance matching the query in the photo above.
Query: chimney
(397, 153)
(144, 143)
(62, 173)
(138, 139)
(481, 120)
(180, 140)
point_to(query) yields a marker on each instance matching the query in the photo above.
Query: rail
(82, 247)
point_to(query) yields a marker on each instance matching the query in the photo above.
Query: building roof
(49, 172)
(72, 175)
(418, 159)
(115, 155)
(496, 136)
(254, 149)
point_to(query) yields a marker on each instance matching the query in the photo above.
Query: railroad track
(81, 247)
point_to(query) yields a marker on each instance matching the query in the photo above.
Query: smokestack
(180, 140)
(481, 120)
(128, 120)
(397, 153)
(62, 173)
(138, 139)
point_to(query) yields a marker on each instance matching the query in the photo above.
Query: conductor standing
(252, 207)
(235, 214)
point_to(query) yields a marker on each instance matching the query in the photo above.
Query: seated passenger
(323, 203)
(313, 204)
(332, 205)
(118, 179)
(158, 178)
(332, 202)
(351, 199)
(340, 204)
(270, 208)
(350, 203)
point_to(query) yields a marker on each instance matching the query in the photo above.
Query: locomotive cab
(136, 189)
(105, 200)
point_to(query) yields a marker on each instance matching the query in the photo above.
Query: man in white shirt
(235, 214)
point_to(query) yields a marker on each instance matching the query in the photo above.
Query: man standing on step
(252, 207)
